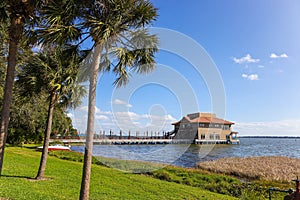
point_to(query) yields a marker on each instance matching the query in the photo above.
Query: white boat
(57, 147)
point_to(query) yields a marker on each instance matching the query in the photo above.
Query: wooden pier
(126, 141)
(145, 138)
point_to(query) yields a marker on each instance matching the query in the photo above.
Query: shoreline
(275, 137)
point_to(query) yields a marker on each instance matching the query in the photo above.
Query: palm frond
(116, 25)
(59, 23)
(53, 70)
(122, 77)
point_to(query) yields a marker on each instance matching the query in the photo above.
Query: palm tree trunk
(14, 37)
(86, 172)
(44, 156)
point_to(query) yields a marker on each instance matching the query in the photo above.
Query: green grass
(198, 178)
(21, 165)
(131, 166)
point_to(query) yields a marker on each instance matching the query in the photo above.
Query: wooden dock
(126, 141)
(138, 139)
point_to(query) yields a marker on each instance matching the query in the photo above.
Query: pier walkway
(119, 140)
(126, 141)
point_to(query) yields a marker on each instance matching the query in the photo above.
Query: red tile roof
(206, 120)
(214, 120)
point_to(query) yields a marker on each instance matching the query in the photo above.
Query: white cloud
(273, 128)
(128, 115)
(142, 122)
(101, 117)
(170, 118)
(251, 77)
(274, 55)
(244, 75)
(85, 109)
(261, 66)
(107, 120)
(120, 102)
(245, 59)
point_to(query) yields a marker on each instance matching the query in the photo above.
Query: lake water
(189, 155)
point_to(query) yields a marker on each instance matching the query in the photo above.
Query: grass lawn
(21, 165)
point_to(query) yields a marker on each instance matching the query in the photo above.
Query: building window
(211, 136)
(226, 127)
(202, 125)
(202, 136)
(211, 126)
(183, 125)
(217, 136)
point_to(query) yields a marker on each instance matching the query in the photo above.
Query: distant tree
(28, 117)
(62, 124)
(53, 70)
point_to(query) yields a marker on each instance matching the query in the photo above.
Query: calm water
(189, 155)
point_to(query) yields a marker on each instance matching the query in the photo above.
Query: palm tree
(112, 37)
(55, 71)
(120, 44)
(16, 13)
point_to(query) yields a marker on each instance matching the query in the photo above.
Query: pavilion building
(204, 128)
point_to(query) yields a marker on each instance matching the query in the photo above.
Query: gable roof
(205, 120)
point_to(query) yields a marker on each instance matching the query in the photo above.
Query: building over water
(204, 128)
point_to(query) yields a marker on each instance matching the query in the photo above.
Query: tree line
(28, 112)
(49, 47)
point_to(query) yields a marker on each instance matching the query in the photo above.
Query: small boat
(57, 147)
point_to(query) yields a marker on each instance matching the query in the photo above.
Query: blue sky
(255, 46)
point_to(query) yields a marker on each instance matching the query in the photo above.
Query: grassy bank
(203, 179)
(64, 177)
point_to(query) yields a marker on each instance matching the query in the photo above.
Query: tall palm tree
(120, 44)
(17, 14)
(111, 36)
(53, 70)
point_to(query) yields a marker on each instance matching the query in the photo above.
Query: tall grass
(275, 168)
